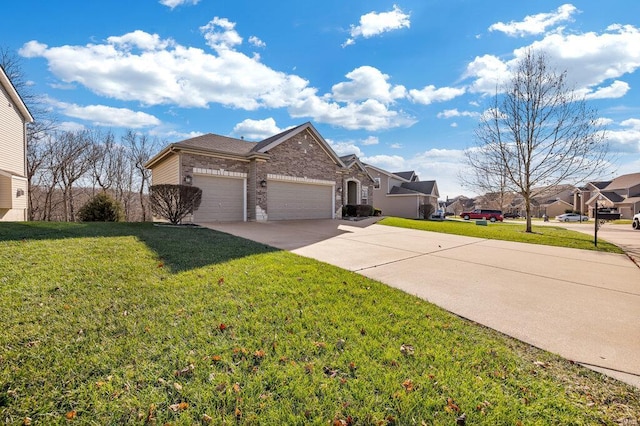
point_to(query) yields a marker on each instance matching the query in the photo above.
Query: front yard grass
(138, 324)
(545, 235)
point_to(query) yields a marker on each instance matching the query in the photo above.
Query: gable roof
(8, 86)
(241, 149)
(623, 182)
(427, 187)
(390, 174)
(264, 146)
(408, 175)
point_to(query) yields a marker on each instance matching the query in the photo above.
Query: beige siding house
(292, 175)
(14, 116)
(621, 195)
(401, 193)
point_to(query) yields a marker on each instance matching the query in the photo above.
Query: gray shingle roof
(219, 143)
(425, 186)
(612, 196)
(408, 175)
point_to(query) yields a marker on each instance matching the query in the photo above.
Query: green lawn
(136, 324)
(509, 231)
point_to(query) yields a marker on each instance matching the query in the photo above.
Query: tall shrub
(174, 202)
(101, 208)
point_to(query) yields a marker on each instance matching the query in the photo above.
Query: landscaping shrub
(174, 202)
(348, 210)
(364, 210)
(377, 212)
(426, 210)
(101, 208)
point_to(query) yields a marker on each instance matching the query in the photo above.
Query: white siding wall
(12, 155)
(167, 172)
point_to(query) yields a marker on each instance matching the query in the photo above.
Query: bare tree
(75, 158)
(141, 148)
(538, 133)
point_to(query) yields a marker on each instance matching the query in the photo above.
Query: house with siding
(14, 188)
(401, 193)
(621, 195)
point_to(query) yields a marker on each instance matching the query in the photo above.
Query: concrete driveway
(582, 305)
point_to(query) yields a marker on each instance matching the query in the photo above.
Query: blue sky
(401, 84)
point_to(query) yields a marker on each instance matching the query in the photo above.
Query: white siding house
(14, 117)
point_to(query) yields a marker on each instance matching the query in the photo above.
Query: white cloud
(451, 113)
(256, 129)
(395, 146)
(141, 40)
(430, 94)
(257, 42)
(220, 34)
(535, 24)
(175, 3)
(145, 68)
(392, 163)
(101, 115)
(374, 23)
(371, 140)
(345, 148)
(592, 60)
(625, 138)
(70, 126)
(367, 83)
(617, 89)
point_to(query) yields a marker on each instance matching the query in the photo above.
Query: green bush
(364, 210)
(101, 208)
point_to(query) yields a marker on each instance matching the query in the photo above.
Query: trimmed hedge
(101, 208)
(358, 210)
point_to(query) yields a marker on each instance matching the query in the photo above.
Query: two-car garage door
(294, 200)
(223, 199)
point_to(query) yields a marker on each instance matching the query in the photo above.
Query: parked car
(491, 215)
(511, 215)
(572, 217)
(636, 222)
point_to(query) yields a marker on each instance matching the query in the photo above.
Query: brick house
(292, 175)
(14, 188)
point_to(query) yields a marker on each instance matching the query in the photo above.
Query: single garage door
(222, 199)
(292, 200)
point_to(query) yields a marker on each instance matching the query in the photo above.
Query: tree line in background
(66, 168)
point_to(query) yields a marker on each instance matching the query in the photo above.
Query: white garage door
(292, 200)
(222, 199)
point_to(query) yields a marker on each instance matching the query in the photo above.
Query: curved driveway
(582, 305)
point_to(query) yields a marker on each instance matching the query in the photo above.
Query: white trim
(220, 172)
(244, 200)
(284, 178)
(358, 189)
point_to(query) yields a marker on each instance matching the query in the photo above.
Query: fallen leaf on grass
(206, 418)
(221, 281)
(407, 349)
(185, 371)
(236, 387)
(177, 386)
(408, 385)
(222, 327)
(71, 415)
(26, 421)
(179, 407)
(451, 406)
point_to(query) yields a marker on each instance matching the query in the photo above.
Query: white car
(571, 217)
(636, 222)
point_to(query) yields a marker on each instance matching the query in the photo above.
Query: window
(365, 194)
(376, 183)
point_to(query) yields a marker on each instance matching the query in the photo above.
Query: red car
(491, 215)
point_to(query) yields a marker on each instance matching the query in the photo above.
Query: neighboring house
(621, 195)
(401, 194)
(292, 175)
(459, 204)
(14, 188)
